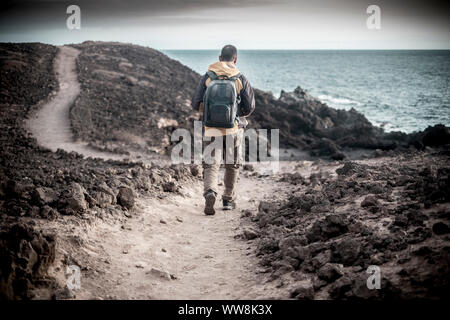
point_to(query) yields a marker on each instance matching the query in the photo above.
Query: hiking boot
(228, 204)
(210, 200)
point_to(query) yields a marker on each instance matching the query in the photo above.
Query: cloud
(256, 23)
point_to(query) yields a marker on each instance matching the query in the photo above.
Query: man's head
(228, 54)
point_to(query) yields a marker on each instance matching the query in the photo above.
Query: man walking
(225, 98)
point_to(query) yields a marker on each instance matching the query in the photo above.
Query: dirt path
(198, 257)
(51, 124)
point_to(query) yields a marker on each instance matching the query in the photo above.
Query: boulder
(73, 200)
(103, 199)
(346, 251)
(44, 195)
(330, 272)
(304, 290)
(126, 197)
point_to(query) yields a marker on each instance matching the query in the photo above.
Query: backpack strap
(235, 77)
(212, 75)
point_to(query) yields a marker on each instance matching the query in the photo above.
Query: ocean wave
(339, 101)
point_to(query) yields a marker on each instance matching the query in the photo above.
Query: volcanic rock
(304, 290)
(126, 197)
(331, 226)
(330, 272)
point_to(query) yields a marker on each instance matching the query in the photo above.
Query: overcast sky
(249, 24)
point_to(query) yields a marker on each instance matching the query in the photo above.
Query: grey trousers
(227, 150)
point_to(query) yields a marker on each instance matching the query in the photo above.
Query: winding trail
(172, 235)
(51, 124)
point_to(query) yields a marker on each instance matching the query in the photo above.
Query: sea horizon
(345, 79)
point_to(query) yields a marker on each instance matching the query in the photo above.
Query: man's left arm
(197, 98)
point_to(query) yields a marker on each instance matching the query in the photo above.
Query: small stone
(330, 272)
(178, 219)
(126, 213)
(126, 197)
(64, 294)
(162, 221)
(248, 167)
(163, 250)
(139, 265)
(369, 201)
(249, 233)
(159, 273)
(195, 170)
(170, 187)
(304, 290)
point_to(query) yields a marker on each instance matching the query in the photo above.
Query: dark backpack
(220, 102)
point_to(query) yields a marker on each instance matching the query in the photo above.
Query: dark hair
(229, 52)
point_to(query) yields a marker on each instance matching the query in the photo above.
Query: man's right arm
(197, 98)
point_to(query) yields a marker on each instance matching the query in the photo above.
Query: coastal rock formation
(133, 98)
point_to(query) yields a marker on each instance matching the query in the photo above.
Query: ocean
(401, 90)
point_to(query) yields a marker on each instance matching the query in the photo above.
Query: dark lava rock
(170, 186)
(266, 207)
(441, 228)
(332, 226)
(304, 290)
(326, 147)
(309, 202)
(249, 233)
(19, 189)
(419, 234)
(268, 245)
(436, 136)
(295, 178)
(195, 170)
(346, 251)
(423, 251)
(340, 287)
(126, 197)
(330, 272)
(349, 168)
(25, 255)
(103, 199)
(73, 200)
(48, 212)
(44, 195)
(369, 201)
